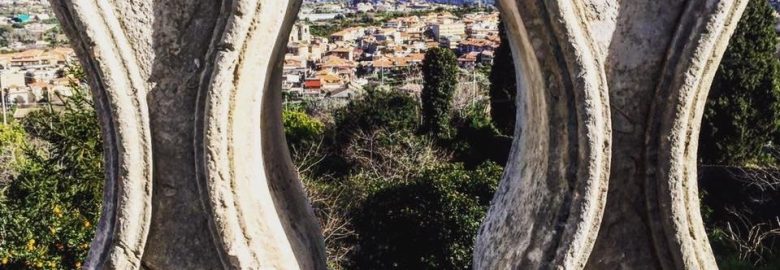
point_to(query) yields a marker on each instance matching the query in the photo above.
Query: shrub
(299, 127)
(12, 144)
(743, 108)
(476, 139)
(47, 212)
(377, 109)
(392, 155)
(429, 222)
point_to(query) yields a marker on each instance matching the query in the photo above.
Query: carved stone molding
(657, 59)
(119, 89)
(548, 207)
(601, 173)
(198, 174)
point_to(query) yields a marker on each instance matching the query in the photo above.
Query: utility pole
(474, 83)
(2, 99)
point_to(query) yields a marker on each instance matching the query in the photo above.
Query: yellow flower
(57, 211)
(39, 264)
(87, 224)
(31, 244)
(5, 260)
(78, 265)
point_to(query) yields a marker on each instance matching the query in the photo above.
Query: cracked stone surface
(198, 174)
(603, 169)
(601, 174)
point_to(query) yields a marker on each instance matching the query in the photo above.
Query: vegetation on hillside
(738, 145)
(397, 181)
(52, 200)
(440, 72)
(374, 176)
(503, 86)
(743, 107)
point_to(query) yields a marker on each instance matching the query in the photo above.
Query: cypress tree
(503, 86)
(742, 110)
(440, 72)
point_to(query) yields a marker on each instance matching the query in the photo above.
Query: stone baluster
(198, 173)
(602, 172)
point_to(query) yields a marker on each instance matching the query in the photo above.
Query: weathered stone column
(198, 174)
(601, 175)
(603, 172)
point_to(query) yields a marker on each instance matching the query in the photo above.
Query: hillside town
(34, 56)
(389, 134)
(335, 50)
(344, 62)
(383, 43)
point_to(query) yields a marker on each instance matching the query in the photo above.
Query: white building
(448, 29)
(10, 79)
(300, 33)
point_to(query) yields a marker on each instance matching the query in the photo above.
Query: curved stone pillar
(601, 175)
(549, 204)
(198, 174)
(649, 64)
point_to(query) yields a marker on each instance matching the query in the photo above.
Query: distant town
(380, 44)
(335, 51)
(34, 56)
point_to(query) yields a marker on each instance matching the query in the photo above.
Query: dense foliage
(741, 209)
(299, 127)
(743, 108)
(440, 71)
(738, 135)
(428, 223)
(477, 140)
(12, 145)
(48, 210)
(375, 179)
(503, 86)
(377, 109)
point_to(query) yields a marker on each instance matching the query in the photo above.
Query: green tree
(429, 222)
(300, 128)
(48, 212)
(742, 110)
(374, 110)
(440, 72)
(476, 140)
(5, 32)
(51, 36)
(12, 145)
(503, 86)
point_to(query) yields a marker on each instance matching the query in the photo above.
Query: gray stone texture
(601, 175)
(198, 174)
(648, 64)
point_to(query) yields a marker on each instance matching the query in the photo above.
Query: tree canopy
(440, 72)
(503, 86)
(743, 107)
